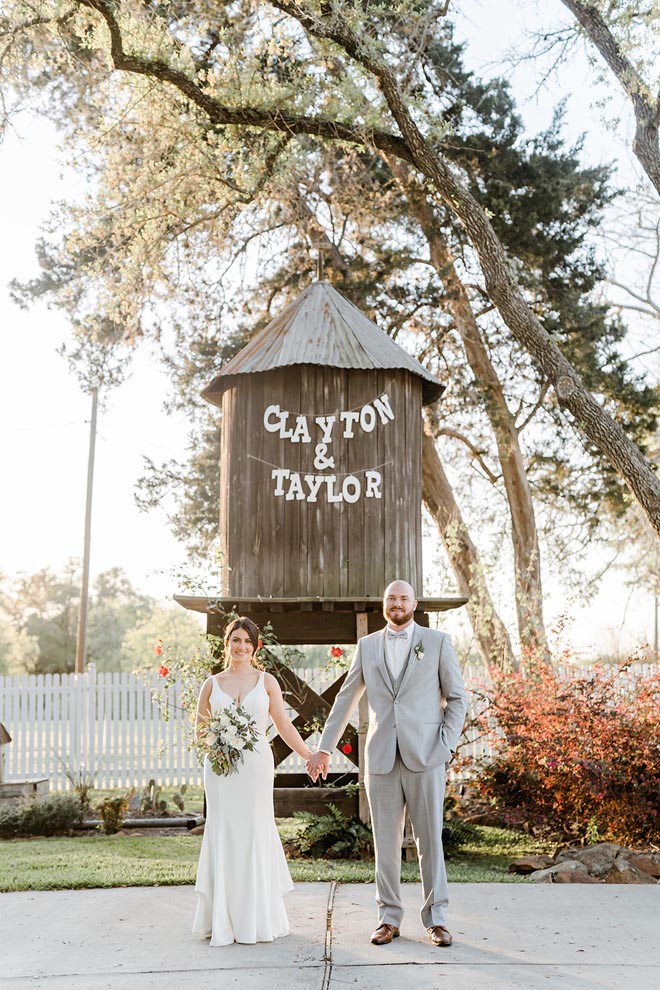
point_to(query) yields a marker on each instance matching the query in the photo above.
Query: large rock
(623, 871)
(598, 859)
(591, 864)
(574, 876)
(531, 864)
(647, 863)
(494, 818)
(569, 871)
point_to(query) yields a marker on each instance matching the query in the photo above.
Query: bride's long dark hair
(252, 629)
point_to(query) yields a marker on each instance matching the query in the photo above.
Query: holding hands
(318, 763)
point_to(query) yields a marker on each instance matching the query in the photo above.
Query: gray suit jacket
(415, 720)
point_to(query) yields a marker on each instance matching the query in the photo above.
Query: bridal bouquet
(226, 737)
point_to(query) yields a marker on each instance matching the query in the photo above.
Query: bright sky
(45, 417)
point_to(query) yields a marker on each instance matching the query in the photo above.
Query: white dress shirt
(396, 650)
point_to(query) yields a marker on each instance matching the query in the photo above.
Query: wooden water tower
(320, 480)
(320, 472)
(321, 455)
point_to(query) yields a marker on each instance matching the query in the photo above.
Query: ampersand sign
(321, 461)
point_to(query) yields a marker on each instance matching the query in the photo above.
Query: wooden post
(362, 629)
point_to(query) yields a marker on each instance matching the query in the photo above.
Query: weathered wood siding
(279, 547)
(299, 628)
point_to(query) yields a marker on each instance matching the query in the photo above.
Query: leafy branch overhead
(616, 42)
(338, 72)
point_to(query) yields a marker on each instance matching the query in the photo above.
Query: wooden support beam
(312, 799)
(310, 706)
(409, 845)
(321, 625)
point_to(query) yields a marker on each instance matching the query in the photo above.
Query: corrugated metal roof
(321, 327)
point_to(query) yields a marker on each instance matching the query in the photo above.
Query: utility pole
(81, 638)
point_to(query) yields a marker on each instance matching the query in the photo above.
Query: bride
(242, 874)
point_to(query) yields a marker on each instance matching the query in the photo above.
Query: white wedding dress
(242, 873)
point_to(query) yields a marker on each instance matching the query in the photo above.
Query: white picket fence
(109, 724)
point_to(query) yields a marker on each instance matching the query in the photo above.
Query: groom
(408, 671)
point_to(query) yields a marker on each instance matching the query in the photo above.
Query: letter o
(351, 488)
(367, 418)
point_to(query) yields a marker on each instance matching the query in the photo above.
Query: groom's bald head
(399, 603)
(398, 588)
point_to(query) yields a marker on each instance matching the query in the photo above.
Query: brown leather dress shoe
(440, 936)
(384, 934)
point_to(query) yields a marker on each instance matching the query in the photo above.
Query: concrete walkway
(507, 936)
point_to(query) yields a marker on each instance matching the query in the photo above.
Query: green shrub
(82, 781)
(9, 821)
(112, 811)
(55, 814)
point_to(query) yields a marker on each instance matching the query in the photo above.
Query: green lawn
(150, 860)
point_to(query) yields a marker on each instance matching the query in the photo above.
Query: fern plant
(333, 836)
(456, 833)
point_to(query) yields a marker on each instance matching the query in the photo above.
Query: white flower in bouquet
(228, 735)
(231, 737)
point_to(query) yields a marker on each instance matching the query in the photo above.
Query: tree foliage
(215, 136)
(627, 39)
(39, 615)
(172, 626)
(251, 79)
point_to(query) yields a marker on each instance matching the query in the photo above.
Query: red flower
(260, 644)
(336, 652)
(347, 748)
(163, 670)
(158, 648)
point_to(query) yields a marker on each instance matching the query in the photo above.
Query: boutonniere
(419, 651)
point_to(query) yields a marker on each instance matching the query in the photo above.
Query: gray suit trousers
(422, 793)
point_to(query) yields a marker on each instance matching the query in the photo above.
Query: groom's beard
(398, 618)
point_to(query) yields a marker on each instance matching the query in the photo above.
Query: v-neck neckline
(238, 702)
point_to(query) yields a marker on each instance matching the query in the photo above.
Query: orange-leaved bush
(575, 752)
